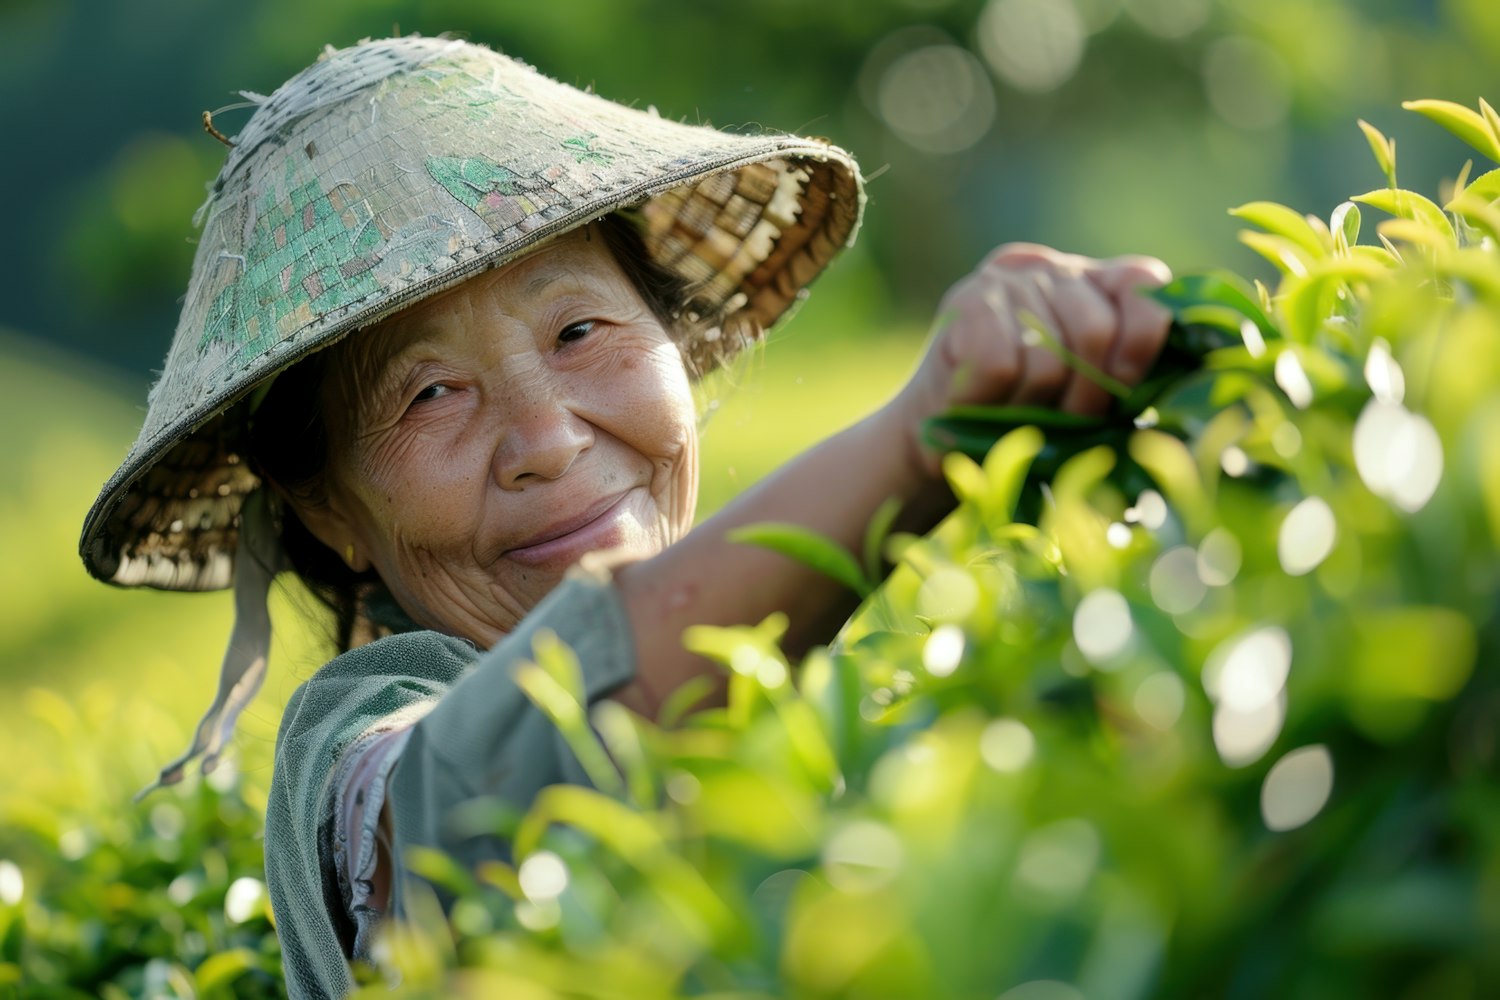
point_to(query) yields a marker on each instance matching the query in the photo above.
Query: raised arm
(980, 352)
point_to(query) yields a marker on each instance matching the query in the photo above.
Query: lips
(599, 526)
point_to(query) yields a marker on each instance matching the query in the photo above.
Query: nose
(541, 435)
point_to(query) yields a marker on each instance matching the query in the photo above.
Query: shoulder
(381, 677)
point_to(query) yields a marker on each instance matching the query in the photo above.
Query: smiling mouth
(594, 528)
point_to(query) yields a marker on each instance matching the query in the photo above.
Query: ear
(330, 524)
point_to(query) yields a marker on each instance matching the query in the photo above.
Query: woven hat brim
(748, 220)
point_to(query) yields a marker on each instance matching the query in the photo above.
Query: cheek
(411, 475)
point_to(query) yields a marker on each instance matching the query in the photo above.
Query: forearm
(832, 489)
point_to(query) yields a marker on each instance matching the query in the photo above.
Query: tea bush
(1212, 717)
(1191, 701)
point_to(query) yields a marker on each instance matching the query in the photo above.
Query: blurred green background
(1101, 126)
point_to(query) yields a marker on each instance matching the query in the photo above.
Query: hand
(986, 349)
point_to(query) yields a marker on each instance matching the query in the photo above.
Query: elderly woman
(437, 357)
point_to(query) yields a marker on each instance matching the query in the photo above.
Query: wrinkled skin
(485, 439)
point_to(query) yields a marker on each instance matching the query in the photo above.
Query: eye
(431, 392)
(575, 331)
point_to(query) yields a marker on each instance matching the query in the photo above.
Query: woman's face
(486, 439)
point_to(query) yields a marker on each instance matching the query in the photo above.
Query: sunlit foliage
(1219, 722)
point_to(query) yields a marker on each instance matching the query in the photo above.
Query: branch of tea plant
(1038, 334)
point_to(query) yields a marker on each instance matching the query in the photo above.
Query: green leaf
(620, 730)
(554, 683)
(1214, 288)
(965, 478)
(1282, 221)
(1383, 148)
(1171, 465)
(1469, 125)
(1345, 224)
(1309, 301)
(1286, 255)
(1484, 188)
(440, 869)
(223, 968)
(807, 547)
(684, 699)
(700, 912)
(1410, 205)
(875, 535)
(1005, 469)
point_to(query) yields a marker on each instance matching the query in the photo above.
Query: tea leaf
(1413, 233)
(1215, 288)
(1285, 254)
(1282, 221)
(1345, 224)
(1005, 469)
(220, 970)
(1384, 150)
(1469, 125)
(439, 868)
(1308, 302)
(1477, 211)
(807, 547)
(1410, 205)
(875, 536)
(1485, 187)
(1492, 120)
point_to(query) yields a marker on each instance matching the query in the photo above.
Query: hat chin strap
(257, 559)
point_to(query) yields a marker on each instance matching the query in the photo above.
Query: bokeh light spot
(1007, 745)
(1234, 461)
(12, 885)
(1384, 376)
(1160, 698)
(245, 899)
(1175, 585)
(543, 876)
(863, 856)
(1042, 989)
(1244, 737)
(943, 650)
(1255, 344)
(684, 787)
(948, 594)
(1248, 83)
(1034, 45)
(1398, 453)
(1219, 557)
(1306, 537)
(1102, 626)
(1251, 670)
(1292, 378)
(1150, 511)
(1169, 18)
(938, 99)
(1297, 788)
(1286, 439)
(1058, 860)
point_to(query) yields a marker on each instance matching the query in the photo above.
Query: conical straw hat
(392, 170)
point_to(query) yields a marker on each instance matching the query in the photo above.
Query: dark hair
(288, 445)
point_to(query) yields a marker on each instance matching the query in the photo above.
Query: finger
(1088, 322)
(1143, 321)
(1044, 373)
(982, 348)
